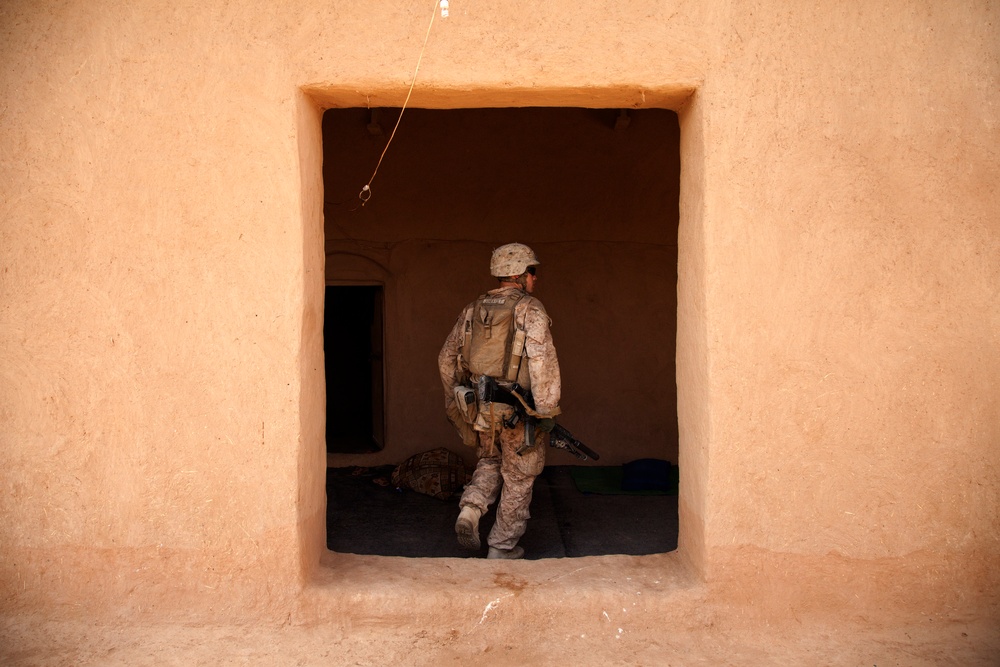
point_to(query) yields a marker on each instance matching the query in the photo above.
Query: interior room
(415, 201)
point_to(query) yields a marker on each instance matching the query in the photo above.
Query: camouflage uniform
(500, 469)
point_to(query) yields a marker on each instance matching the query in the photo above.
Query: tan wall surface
(853, 274)
(161, 278)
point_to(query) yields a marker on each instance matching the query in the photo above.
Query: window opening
(596, 193)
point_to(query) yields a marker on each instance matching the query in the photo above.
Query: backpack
(493, 344)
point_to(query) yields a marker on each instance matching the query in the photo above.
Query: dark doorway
(352, 342)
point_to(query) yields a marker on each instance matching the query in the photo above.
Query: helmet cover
(512, 259)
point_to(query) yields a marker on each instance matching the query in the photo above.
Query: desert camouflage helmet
(512, 259)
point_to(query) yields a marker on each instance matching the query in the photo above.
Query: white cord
(366, 191)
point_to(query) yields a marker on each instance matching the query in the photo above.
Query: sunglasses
(531, 270)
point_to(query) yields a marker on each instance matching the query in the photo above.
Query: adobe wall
(851, 247)
(162, 269)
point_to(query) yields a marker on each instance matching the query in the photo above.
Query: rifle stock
(563, 439)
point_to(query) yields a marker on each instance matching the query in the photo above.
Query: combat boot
(467, 527)
(507, 554)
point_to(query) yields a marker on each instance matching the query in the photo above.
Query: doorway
(353, 345)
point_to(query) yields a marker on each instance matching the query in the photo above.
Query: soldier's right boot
(505, 554)
(467, 527)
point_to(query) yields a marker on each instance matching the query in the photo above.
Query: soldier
(502, 337)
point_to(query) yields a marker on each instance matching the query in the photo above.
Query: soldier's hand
(546, 424)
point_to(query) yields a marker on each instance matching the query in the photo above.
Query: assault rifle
(524, 406)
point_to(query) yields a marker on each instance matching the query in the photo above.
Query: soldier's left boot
(467, 527)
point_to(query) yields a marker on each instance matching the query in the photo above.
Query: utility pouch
(516, 353)
(465, 398)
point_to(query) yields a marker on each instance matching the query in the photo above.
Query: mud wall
(161, 241)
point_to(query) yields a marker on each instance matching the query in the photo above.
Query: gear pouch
(467, 404)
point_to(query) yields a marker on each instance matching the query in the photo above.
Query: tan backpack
(493, 344)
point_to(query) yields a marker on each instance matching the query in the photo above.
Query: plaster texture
(162, 263)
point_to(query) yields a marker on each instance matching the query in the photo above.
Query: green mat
(607, 480)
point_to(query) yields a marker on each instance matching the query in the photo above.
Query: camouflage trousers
(509, 475)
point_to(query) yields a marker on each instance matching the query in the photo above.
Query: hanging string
(366, 191)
